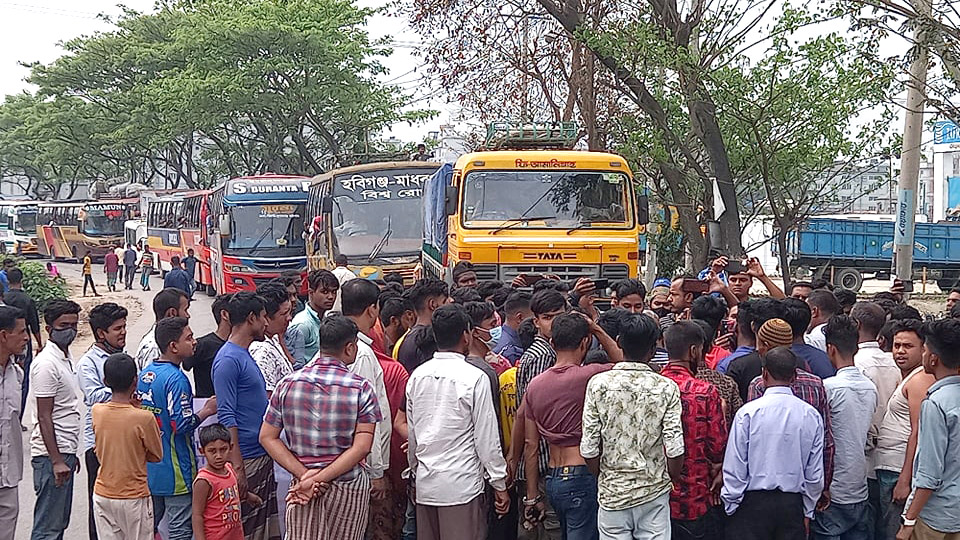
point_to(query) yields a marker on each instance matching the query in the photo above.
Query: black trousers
(707, 527)
(767, 515)
(93, 466)
(87, 278)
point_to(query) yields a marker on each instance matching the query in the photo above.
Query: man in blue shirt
(178, 278)
(129, 266)
(773, 467)
(8, 264)
(797, 314)
(190, 267)
(241, 403)
(165, 391)
(515, 310)
(932, 506)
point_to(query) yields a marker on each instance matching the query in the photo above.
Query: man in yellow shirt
(88, 274)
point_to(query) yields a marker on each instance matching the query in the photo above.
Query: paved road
(138, 323)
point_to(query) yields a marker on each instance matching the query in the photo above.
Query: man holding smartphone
(739, 276)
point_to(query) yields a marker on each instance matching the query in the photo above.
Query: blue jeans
(51, 513)
(843, 522)
(409, 531)
(573, 494)
(887, 519)
(180, 510)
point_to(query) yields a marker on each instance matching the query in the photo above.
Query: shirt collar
(817, 327)
(849, 369)
(869, 345)
(509, 332)
(632, 366)
(321, 360)
(677, 369)
(785, 390)
(448, 355)
(364, 338)
(745, 349)
(52, 349)
(946, 381)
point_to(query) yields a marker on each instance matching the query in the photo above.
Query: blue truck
(847, 249)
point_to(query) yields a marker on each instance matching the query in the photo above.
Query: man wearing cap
(773, 333)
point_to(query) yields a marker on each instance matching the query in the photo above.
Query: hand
(534, 513)
(897, 289)
(901, 491)
(905, 532)
(379, 488)
(725, 341)
(241, 479)
(511, 473)
(62, 472)
(519, 281)
(584, 287)
(754, 268)
(404, 446)
(824, 501)
(719, 264)
(806, 527)
(253, 499)
(135, 400)
(716, 285)
(209, 408)
(501, 502)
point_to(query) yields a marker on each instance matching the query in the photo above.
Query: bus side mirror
(450, 200)
(326, 205)
(224, 225)
(643, 209)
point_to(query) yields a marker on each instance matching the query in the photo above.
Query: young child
(126, 437)
(216, 498)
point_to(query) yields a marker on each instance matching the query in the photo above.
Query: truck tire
(947, 283)
(848, 278)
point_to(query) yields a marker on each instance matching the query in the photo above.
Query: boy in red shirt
(216, 497)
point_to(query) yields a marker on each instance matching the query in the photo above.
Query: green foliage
(198, 91)
(669, 243)
(38, 284)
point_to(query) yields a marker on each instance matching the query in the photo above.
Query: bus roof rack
(531, 135)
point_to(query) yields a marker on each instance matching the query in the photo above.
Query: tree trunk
(782, 233)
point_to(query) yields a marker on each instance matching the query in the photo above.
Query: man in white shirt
(453, 440)
(343, 275)
(55, 437)
(880, 368)
(823, 305)
(361, 306)
(169, 302)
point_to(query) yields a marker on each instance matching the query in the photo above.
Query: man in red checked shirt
(692, 512)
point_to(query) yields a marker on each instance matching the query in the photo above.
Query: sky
(34, 29)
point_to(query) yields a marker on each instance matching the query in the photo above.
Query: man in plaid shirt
(328, 416)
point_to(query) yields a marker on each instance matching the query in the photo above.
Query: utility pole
(910, 154)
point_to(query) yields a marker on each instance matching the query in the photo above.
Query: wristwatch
(528, 502)
(907, 522)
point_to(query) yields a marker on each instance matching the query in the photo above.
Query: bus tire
(211, 291)
(848, 278)
(76, 256)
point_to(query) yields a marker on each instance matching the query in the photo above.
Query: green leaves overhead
(200, 90)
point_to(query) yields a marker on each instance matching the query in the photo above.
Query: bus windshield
(559, 199)
(360, 226)
(104, 220)
(266, 229)
(25, 222)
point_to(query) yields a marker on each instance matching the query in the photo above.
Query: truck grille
(279, 265)
(564, 272)
(615, 271)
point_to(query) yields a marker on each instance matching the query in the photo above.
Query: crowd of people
(492, 411)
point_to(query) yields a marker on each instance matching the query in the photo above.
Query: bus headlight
(239, 269)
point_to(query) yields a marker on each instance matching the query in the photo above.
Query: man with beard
(241, 403)
(109, 325)
(13, 341)
(323, 293)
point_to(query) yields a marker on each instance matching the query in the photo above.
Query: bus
(256, 230)
(175, 225)
(371, 214)
(67, 230)
(510, 212)
(18, 227)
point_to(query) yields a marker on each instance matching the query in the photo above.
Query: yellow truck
(509, 212)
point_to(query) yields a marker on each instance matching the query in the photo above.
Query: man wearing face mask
(13, 341)
(109, 325)
(55, 437)
(484, 318)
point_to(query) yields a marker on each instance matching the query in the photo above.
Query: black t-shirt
(418, 346)
(743, 370)
(202, 363)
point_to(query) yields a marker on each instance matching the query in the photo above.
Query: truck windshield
(360, 226)
(26, 223)
(558, 199)
(266, 229)
(104, 220)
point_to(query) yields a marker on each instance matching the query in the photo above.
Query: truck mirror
(224, 225)
(643, 209)
(326, 205)
(450, 200)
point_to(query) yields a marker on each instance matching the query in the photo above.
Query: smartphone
(729, 326)
(735, 267)
(601, 283)
(695, 286)
(907, 285)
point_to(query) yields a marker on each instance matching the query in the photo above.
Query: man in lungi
(328, 416)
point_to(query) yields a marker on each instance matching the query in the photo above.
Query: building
(865, 188)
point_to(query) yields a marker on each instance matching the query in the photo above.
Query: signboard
(946, 132)
(903, 231)
(244, 187)
(382, 185)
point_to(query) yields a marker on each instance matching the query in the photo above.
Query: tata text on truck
(257, 230)
(534, 212)
(370, 213)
